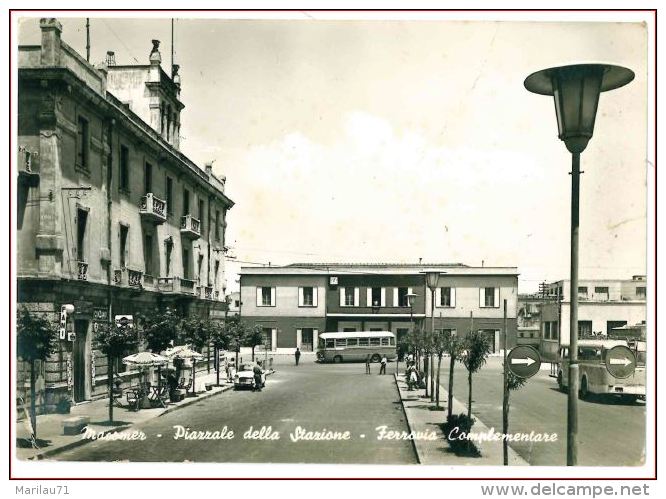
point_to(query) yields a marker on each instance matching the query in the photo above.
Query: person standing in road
(257, 378)
(367, 364)
(297, 354)
(382, 368)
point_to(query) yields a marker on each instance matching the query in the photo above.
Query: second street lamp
(432, 280)
(576, 90)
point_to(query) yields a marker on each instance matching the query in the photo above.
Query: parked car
(244, 377)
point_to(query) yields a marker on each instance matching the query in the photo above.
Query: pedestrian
(367, 364)
(382, 367)
(297, 354)
(413, 378)
(257, 378)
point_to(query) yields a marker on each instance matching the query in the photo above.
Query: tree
(36, 340)
(513, 382)
(254, 336)
(439, 344)
(161, 329)
(220, 341)
(477, 348)
(454, 347)
(197, 334)
(114, 341)
(235, 331)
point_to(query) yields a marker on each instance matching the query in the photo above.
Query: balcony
(153, 208)
(134, 278)
(27, 176)
(208, 292)
(190, 227)
(167, 284)
(82, 271)
(187, 286)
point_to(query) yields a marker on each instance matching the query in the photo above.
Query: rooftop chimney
(51, 31)
(209, 167)
(174, 75)
(110, 58)
(155, 57)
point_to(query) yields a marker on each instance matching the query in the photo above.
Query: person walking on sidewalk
(382, 367)
(297, 354)
(367, 364)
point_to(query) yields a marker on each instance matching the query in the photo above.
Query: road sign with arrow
(524, 361)
(620, 361)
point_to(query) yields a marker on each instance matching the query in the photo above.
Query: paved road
(610, 433)
(334, 397)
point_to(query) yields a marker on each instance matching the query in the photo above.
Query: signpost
(620, 362)
(126, 321)
(524, 361)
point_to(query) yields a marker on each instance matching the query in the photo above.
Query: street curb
(409, 426)
(82, 441)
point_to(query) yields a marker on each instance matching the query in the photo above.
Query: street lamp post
(576, 90)
(432, 280)
(410, 301)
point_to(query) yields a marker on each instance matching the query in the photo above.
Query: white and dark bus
(356, 346)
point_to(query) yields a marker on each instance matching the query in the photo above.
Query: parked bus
(595, 378)
(356, 346)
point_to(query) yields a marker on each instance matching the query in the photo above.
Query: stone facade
(112, 217)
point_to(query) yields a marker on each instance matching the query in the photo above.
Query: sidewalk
(420, 418)
(50, 429)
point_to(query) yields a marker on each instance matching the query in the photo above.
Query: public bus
(356, 346)
(594, 378)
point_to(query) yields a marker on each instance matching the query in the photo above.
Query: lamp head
(575, 89)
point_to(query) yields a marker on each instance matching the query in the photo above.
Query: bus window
(589, 353)
(352, 342)
(330, 343)
(363, 342)
(341, 343)
(385, 342)
(374, 342)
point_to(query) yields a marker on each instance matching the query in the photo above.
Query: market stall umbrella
(185, 352)
(146, 360)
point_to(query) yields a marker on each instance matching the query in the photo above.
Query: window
(124, 231)
(186, 263)
(489, 297)
(601, 293)
(81, 222)
(610, 325)
(582, 292)
(202, 214)
(374, 342)
(307, 338)
(376, 295)
(447, 297)
(640, 292)
(265, 296)
(349, 297)
(148, 178)
(200, 267)
(169, 195)
(363, 342)
(307, 296)
(350, 330)
(351, 342)
(217, 225)
(217, 270)
(403, 300)
(83, 143)
(584, 328)
(341, 343)
(186, 202)
(330, 343)
(123, 182)
(385, 342)
(268, 337)
(148, 253)
(168, 247)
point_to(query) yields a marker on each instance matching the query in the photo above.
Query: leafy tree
(477, 348)
(115, 342)
(439, 344)
(454, 346)
(36, 340)
(235, 330)
(220, 341)
(196, 333)
(161, 328)
(254, 336)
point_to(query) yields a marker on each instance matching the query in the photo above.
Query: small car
(244, 377)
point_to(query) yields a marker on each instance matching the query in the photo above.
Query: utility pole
(505, 398)
(87, 39)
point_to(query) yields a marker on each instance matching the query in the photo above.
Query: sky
(394, 141)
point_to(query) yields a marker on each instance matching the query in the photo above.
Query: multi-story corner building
(112, 217)
(603, 305)
(529, 319)
(297, 302)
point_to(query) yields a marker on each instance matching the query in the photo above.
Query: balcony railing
(187, 286)
(134, 278)
(167, 284)
(208, 292)
(82, 271)
(118, 277)
(153, 208)
(148, 280)
(190, 227)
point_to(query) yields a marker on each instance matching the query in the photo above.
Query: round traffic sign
(620, 361)
(124, 321)
(524, 361)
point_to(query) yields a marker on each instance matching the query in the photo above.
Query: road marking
(528, 361)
